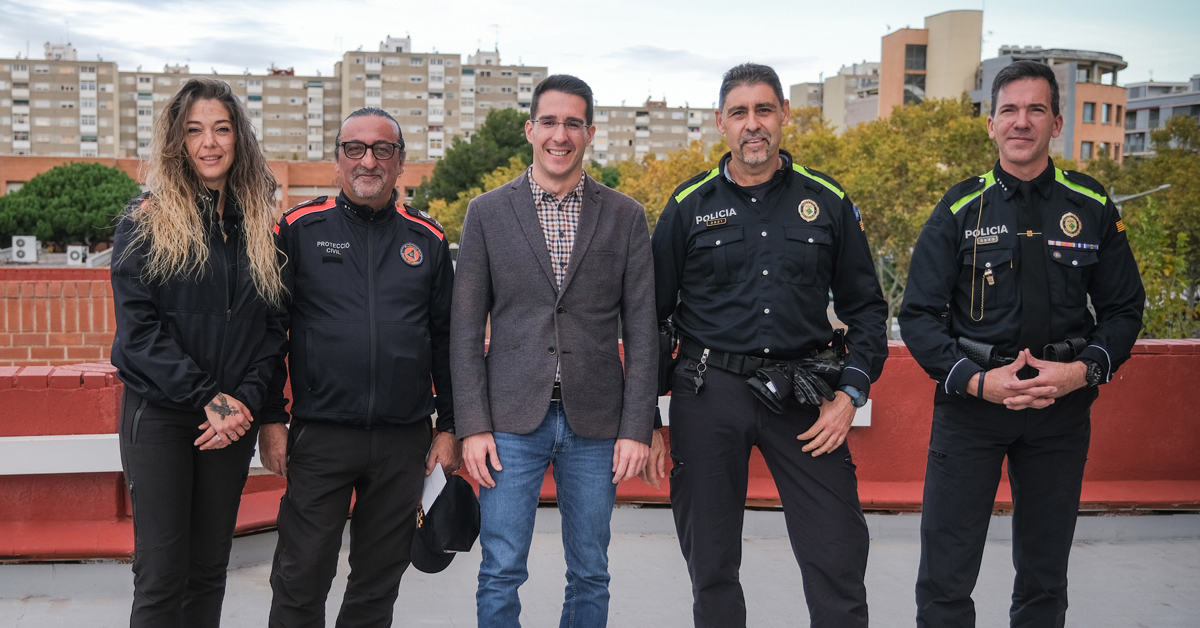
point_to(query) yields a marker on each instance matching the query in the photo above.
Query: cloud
(654, 58)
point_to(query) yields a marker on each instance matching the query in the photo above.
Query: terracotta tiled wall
(55, 322)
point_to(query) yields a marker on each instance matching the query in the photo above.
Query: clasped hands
(227, 420)
(1054, 379)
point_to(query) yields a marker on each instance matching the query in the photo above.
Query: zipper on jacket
(225, 278)
(371, 318)
(133, 430)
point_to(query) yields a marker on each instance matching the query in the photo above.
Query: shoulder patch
(697, 181)
(320, 200)
(963, 193)
(1082, 184)
(820, 178)
(423, 219)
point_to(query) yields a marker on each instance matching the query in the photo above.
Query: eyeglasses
(573, 126)
(381, 150)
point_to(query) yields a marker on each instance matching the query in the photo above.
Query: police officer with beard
(997, 312)
(745, 257)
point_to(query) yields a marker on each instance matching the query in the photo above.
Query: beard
(367, 190)
(755, 159)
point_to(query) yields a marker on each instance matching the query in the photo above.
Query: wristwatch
(1093, 375)
(857, 397)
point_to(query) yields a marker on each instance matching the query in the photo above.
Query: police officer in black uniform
(745, 257)
(996, 311)
(371, 281)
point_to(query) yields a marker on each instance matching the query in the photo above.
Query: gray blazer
(504, 270)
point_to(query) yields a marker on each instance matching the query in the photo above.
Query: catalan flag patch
(1120, 226)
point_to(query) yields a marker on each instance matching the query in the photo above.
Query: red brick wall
(55, 322)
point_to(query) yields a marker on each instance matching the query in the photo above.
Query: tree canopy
(501, 137)
(73, 203)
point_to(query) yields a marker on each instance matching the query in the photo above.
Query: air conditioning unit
(77, 255)
(24, 249)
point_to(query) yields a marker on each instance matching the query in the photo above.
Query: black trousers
(384, 469)
(185, 504)
(711, 438)
(1046, 451)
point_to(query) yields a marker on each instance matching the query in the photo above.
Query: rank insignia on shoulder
(416, 213)
(411, 254)
(320, 200)
(858, 217)
(1070, 224)
(808, 210)
(1120, 226)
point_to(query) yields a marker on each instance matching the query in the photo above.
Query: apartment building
(296, 117)
(806, 95)
(434, 96)
(938, 61)
(851, 96)
(1148, 107)
(59, 106)
(630, 133)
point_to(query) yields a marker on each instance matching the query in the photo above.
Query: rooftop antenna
(496, 27)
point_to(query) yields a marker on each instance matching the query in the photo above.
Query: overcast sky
(627, 50)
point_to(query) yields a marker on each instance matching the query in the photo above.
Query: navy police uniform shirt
(370, 314)
(749, 270)
(971, 262)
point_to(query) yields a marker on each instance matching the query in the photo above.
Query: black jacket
(752, 276)
(180, 342)
(1087, 253)
(370, 314)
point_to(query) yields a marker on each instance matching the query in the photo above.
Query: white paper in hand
(434, 483)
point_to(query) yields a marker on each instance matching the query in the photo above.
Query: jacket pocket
(403, 382)
(337, 364)
(1068, 275)
(137, 422)
(808, 256)
(723, 255)
(988, 279)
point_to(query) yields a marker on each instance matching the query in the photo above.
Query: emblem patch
(858, 217)
(1070, 225)
(411, 254)
(809, 210)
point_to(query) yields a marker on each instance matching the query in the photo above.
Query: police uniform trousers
(185, 503)
(1046, 451)
(711, 438)
(384, 469)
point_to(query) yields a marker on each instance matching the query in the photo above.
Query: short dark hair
(369, 111)
(566, 84)
(750, 74)
(1026, 69)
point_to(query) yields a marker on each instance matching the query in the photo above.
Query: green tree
(452, 214)
(73, 203)
(501, 137)
(1161, 254)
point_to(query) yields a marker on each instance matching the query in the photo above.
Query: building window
(1085, 151)
(914, 88)
(1135, 142)
(1154, 118)
(914, 57)
(1130, 120)
(1089, 112)
(1117, 120)
(1106, 115)
(1082, 75)
(415, 61)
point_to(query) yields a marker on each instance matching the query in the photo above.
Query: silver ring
(219, 437)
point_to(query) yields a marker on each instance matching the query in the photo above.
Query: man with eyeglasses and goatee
(553, 259)
(370, 281)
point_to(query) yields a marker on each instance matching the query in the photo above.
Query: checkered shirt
(560, 221)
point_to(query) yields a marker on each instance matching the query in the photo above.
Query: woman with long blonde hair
(200, 341)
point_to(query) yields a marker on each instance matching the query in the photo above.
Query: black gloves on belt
(811, 380)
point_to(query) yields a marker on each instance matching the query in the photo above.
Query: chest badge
(809, 210)
(1070, 224)
(411, 254)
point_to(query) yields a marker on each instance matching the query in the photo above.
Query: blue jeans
(583, 476)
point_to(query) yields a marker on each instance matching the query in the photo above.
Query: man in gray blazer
(557, 260)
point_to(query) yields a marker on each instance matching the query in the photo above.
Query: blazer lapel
(589, 216)
(521, 200)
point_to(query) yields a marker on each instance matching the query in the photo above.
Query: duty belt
(987, 357)
(732, 362)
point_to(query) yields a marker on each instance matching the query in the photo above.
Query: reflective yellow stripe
(1071, 185)
(832, 187)
(692, 188)
(989, 180)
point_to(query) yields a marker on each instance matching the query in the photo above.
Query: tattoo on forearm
(220, 405)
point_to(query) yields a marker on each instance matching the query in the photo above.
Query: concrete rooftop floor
(1126, 572)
